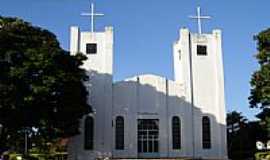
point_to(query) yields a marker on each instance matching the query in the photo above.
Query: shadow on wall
(150, 97)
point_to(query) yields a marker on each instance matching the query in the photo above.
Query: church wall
(204, 91)
(202, 76)
(152, 97)
(179, 106)
(99, 69)
(74, 40)
(125, 104)
(198, 90)
(221, 91)
(153, 105)
(207, 75)
(141, 97)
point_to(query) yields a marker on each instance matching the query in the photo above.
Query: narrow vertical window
(206, 133)
(179, 52)
(89, 133)
(119, 133)
(176, 133)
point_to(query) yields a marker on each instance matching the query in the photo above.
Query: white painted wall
(100, 71)
(204, 78)
(198, 90)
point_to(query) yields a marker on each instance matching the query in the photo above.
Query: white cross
(92, 16)
(199, 18)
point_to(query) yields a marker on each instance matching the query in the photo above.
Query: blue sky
(146, 29)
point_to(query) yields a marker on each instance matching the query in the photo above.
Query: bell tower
(97, 46)
(198, 65)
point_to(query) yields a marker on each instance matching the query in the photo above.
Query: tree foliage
(264, 117)
(41, 85)
(235, 117)
(260, 81)
(236, 124)
(242, 136)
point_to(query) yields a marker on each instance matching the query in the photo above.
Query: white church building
(148, 116)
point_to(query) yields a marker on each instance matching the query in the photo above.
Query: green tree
(41, 85)
(264, 117)
(236, 135)
(235, 117)
(260, 81)
(242, 135)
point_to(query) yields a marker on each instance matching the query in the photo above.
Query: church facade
(148, 116)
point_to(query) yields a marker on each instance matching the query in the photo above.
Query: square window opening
(91, 48)
(201, 50)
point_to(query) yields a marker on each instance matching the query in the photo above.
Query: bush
(30, 158)
(262, 155)
(13, 156)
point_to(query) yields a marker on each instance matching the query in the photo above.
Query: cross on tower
(199, 18)
(92, 15)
